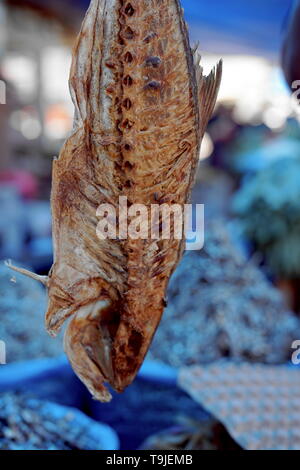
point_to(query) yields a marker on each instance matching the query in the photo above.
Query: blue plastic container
(48, 379)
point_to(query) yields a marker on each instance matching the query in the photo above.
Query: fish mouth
(56, 319)
(88, 345)
(102, 348)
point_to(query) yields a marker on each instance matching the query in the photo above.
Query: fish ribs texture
(141, 108)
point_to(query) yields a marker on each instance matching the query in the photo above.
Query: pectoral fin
(43, 279)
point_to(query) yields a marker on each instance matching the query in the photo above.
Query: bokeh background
(235, 302)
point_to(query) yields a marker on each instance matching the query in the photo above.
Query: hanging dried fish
(141, 109)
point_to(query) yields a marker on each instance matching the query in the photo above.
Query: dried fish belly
(141, 108)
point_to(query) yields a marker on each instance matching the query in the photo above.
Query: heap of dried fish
(21, 327)
(225, 307)
(30, 424)
(141, 108)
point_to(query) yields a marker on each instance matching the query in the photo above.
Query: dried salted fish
(141, 108)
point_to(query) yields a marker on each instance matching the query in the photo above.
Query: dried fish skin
(141, 108)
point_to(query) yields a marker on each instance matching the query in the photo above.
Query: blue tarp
(253, 26)
(235, 26)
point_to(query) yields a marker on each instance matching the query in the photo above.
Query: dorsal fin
(208, 88)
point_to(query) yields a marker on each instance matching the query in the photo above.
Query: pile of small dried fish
(29, 424)
(221, 305)
(21, 327)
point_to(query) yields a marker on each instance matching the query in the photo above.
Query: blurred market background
(234, 307)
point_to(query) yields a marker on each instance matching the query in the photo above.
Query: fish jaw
(89, 349)
(104, 349)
